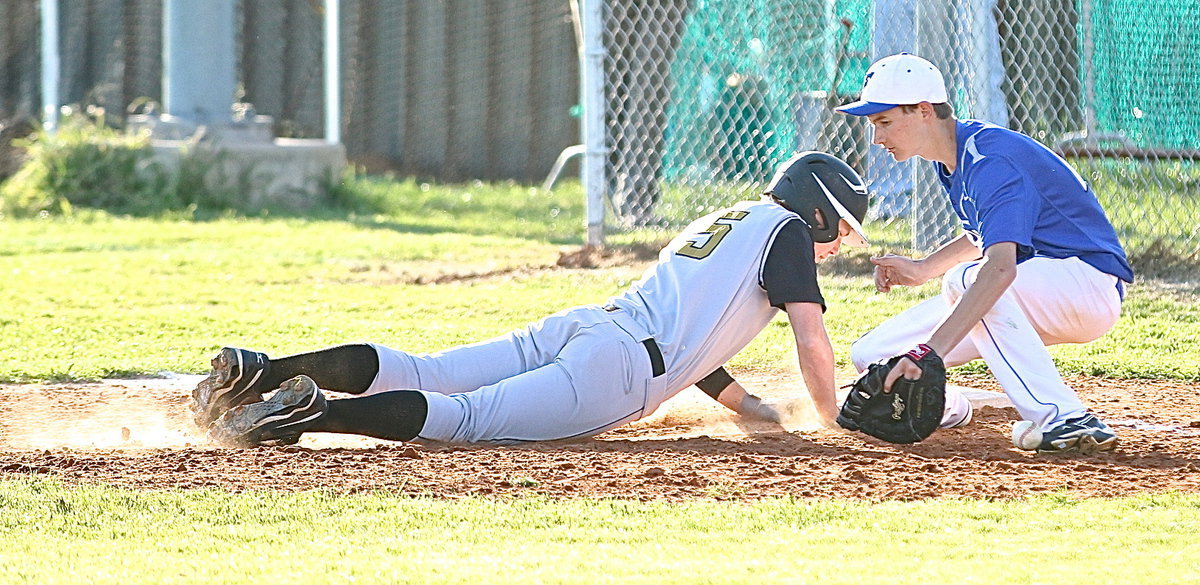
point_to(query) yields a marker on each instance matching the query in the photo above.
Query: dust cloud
(111, 414)
(153, 414)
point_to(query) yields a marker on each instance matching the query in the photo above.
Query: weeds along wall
(86, 164)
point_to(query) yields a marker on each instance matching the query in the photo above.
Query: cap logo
(868, 78)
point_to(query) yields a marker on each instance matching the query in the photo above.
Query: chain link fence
(446, 90)
(705, 97)
(702, 98)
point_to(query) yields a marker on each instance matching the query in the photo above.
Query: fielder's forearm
(949, 255)
(997, 273)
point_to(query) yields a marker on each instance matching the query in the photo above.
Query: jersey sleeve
(1008, 207)
(790, 271)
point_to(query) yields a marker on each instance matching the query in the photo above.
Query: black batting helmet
(821, 188)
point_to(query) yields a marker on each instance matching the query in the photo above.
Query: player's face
(821, 251)
(899, 130)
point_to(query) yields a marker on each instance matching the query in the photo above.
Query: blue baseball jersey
(1010, 188)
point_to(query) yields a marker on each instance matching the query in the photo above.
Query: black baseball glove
(907, 414)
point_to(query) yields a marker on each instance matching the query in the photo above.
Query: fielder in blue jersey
(1039, 262)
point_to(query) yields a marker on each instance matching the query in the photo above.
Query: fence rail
(706, 97)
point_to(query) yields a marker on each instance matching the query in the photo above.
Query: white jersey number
(700, 247)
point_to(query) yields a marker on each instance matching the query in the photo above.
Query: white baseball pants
(573, 374)
(1051, 301)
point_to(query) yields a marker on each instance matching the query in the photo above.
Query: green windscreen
(750, 81)
(1145, 63)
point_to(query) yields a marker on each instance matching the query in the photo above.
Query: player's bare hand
(904, 367)
(892, 270)
(828, 420)
(883, 278)
(753, 407)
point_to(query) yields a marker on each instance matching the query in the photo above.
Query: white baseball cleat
(962, 421)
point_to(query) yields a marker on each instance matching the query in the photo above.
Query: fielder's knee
(956, 281)
(864, 353)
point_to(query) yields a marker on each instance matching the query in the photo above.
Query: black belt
(658, 367)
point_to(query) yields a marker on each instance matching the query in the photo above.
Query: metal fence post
(50, 65)
(933, 221)
(592, 98)
(333, 70)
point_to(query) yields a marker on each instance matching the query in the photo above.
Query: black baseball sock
(344, 368)
(395, 416)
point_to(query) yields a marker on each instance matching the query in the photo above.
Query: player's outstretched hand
(754, 408)
(829, 422)
(891, 270)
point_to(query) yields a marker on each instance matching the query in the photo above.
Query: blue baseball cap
(898, 80)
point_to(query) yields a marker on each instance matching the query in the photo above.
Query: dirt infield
(135, 433)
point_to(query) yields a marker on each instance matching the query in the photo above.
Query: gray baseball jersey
(704, 301)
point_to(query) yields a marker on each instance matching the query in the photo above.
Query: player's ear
(819, 217)
(850, 237)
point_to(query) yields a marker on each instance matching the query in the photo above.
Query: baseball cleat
(234, 380)
(1086, 435)
(962, 421)
(279, 420)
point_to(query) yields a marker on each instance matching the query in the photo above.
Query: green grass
(94, 295)
(476, 209)
(127, 296)
(53, 534)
